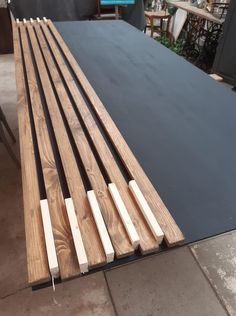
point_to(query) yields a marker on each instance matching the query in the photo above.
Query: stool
(158, 15)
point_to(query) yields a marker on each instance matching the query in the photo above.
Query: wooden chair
(3, 138)
(162, 16)
(108, 12)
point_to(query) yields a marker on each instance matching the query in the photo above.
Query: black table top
(180, 124)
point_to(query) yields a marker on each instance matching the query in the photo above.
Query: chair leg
(99, 8)
(161, 26)
(117, 12)
(5, 123)
(8, 147)
(168, 29)
(152, 27)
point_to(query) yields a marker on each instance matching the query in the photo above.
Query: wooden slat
(86, 222)
(114, 224)
(62, 234)
(133, 236)
(108, 249)
(35, 246)
(147, 241)
(79, 245)
(147, 212)
(49, 239)
(173, 234)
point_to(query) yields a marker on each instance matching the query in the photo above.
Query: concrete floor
(197, 280)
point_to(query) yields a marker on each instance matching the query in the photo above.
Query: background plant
(176, 46)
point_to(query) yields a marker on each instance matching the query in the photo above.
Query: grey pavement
(197, 280)
(217, 259)
(168, 284)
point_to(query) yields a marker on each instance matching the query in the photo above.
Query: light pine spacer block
(216, 77)
(129, 226)
(38, 19)
(17, 21)
(49, 239)
(146, 211)
(102, 230)
(45, 19)
(77, 238)
(31, 21)
(24, 21)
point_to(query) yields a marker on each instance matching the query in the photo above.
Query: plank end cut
(77, 238)
(101, 227)
(49, 239)
(216, 77)
(146, 211)
(127, 222)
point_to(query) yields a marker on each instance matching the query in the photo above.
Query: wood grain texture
(61, 229)
(173, 234)
(147, 241)
(114, 224)
(37, 265)
(86, 222)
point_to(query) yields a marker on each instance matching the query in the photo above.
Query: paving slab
(13, 274)
(217, 258)
(13, 264)
(85, 296)
(8, 101)
(169, 284)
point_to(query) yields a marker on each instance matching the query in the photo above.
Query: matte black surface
(225, 61)
(180, 124)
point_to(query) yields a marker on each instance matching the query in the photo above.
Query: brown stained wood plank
(37, 263)
(113, 222)
(147, 241)
(86, 222)
(61, 229)
(173, 234)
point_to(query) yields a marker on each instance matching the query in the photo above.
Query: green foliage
(176, 47)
